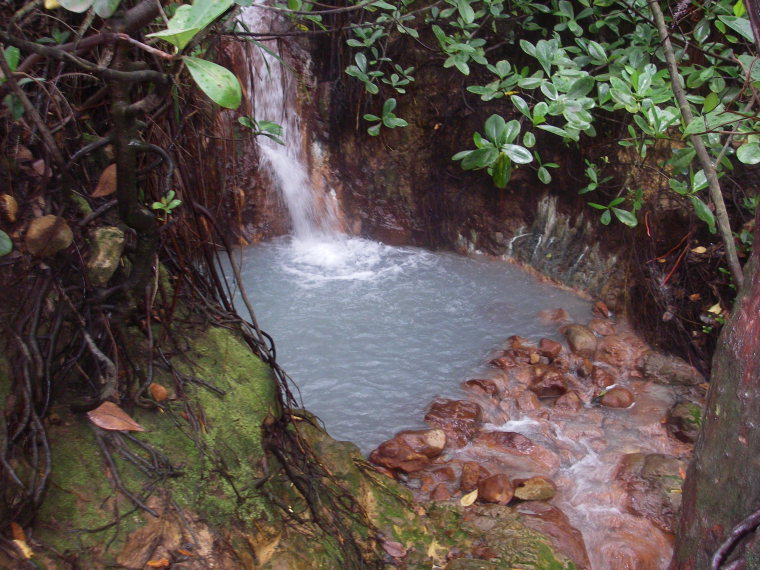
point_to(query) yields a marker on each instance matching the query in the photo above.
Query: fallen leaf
(111, 417)
(23, 154)
(695, 297)
(51, 4)
(24, 548)
(17, 532)
(158, 392)
(106, 182)
(469, 498)
(41, 168)
(699, 249)
(715, 309)
(184, 552)
(432, 550)
(8, 207)
(395, 549)
(47, 235)
(160, 563)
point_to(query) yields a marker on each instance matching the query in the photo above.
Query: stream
(372, 334)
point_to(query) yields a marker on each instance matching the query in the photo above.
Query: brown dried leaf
(17, 532)
(23, 154)
(160, 563)
(41, 168)
(109, 416)
(469, 498)
(395, 549)
(106, 183)
(8, 207)
(24, 548)
(158, 392)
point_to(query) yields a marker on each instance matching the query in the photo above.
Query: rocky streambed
(586, 439)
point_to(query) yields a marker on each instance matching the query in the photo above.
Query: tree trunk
(722, 486)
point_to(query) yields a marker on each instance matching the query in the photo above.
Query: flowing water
(372, 333)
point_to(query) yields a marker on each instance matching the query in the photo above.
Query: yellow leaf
(8, 207)
(715, 309)
(699, 249)
(24, 548)
(469, 498)
(51, 4)
(432, 550)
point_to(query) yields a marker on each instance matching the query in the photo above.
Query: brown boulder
(395, 454)
(670, 370)
(428, 442)
(615, 351)
(617, 397)
(527, 455)
(472, 474)
(581, 339)
(535, 489)
(460, 419)
(550, 521)
(495, 489)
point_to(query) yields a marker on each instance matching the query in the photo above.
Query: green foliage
(188, 20)
(387, 119)
(586, 62)
(218, 82)
(167, 204)
(264, 128)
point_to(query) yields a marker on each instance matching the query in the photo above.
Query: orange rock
(428, 442)
(617, 397)
(495, 489)
(460, 419)
(472, 474)
(395, 454)
(549, 348)
(440, 493)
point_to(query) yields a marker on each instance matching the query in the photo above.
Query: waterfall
(313, 216)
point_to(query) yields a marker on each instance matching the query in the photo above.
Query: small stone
(495, 489)
(47, 235)
(600, 309)
(483, 385)
(440, 493)
(549, 348)
(570, 401)
(535, 489)
(671, 370)
(617, 397)
(395, 454)
(460, 419)
(601, 378)
(581, 339)
(105, 254)
(684, 420)
(428, 442)
(472, 474)
(601, 327)
(549, 385)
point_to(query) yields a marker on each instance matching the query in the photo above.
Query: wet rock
(601, 378)
(472, 474)
(440, 493)
(428, 442)
(653, 484)
(444, 474)
(684, 420)
(504, 362)
(549, 348)
(615, 351)
(602, 327)
(569, 401)
(552, 316)
(528, 455)
(394, 454)
(617, 397)
(534, 489)
(600, 309)
(553, 523)
(527, 402)
(495, 489)
(583, 366)
(581, 339)
(105, 254)
(47, 235)
(670, 370)
(460, 419)
(483, 385)
(549, 384)
(520, 343)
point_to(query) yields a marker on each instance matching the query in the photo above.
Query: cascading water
(372, 333)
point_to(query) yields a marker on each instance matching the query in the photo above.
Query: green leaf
(581, 87)
(529, 139)
(502, 171)
(106, 8)
(544, 175)
(711, 101)
(518, 154)
(749, 153)
(521, 105)
(6, 244)
(739, 25)
(494, 128)
(605, 218)
(189, 20)
(480, 158)
(374, 130)
(218, 82)
(628, 218)
(12, 57)
(555, 130)
(76, 5)
(703, 212)
(597, 53)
